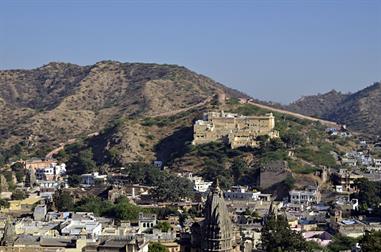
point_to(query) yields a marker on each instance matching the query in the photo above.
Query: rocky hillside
(58, 101)
(317, 105)
(361, 111)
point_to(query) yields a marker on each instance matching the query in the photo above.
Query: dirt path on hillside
(62, 146)
(174, 112)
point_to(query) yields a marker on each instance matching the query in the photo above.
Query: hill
(317, 105)
(114, 115)
(51, 104)
(360, 111)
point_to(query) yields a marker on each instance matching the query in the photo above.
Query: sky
(272, 50)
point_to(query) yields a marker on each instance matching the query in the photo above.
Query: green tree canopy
(164, 226)
(157, 247)
(278, 236)
(371, 241)
(18, 195)
(341, 243)
(64, 201)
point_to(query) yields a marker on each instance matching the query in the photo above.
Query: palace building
(236, 130)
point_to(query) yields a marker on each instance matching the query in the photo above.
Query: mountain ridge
(58, 101)
(360, 111)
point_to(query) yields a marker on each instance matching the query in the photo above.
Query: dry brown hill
(59, 101)
(360, 111)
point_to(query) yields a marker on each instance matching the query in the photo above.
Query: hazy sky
(272, 50)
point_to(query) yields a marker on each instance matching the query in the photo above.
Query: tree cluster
(277, 236)
(369, 195)
(167, 187)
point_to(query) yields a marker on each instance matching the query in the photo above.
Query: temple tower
(217, 229)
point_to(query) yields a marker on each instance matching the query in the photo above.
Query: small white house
(92, 178)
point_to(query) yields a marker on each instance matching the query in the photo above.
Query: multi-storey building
(234, 129)
(310, 195)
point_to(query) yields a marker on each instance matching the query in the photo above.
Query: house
(310, 195)
(36, 163)
(92, 178)
(146, 221)
(23, 205)
(349, 161)
(89, 228)
(241, 193)
(130, 243)
(346, 179)
(377, 162)
(53, 172)
(323, 238)
(199, 184)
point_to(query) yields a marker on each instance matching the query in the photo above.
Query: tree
(172, 188)
(4, 203)
(74, 180)
(81, 161)
(19, 170)
(278, 236)
(238, 168)
(292, 139)
(64, 201)
(94, 204)
(369, 194)
(124, 210)
(9, 178)
(371, 241)
(86, 161)
(30, 178)
(18, 195)
(341, 243)
(164, 226)
(157, 247)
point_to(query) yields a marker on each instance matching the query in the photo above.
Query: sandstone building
(215, 233)
(234, 129)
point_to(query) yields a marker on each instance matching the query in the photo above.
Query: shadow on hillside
(279, 191)
(175, 145)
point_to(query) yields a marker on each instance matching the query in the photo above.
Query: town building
(199, 184)
(146, 221)
(241, 193)
(233, 129)
(36, 163)
(91, 179)
(90, 228)
(53, 172)
(345, 179)
(309, 196)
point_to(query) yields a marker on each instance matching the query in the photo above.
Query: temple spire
(217, 229)
(215, 188)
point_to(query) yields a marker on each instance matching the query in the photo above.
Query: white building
(90, 228)
(377, 162)
(199, 184)
(52, 172)
(241, 193)
(92, 178)
(310, 195)
(147, 221)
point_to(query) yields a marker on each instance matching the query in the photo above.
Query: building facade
(234, 129)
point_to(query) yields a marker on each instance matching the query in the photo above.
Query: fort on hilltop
(236, 130)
